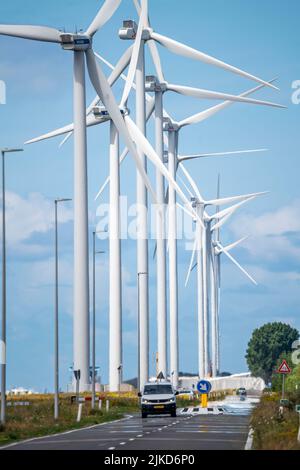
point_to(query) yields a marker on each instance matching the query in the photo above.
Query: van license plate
(159, 407)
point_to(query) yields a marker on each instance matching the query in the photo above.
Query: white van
(158, 398)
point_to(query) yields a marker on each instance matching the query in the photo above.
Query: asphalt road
(223, 432)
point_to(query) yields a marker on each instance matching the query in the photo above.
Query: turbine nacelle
(169, 125)
(129, 31)
(75, 42)
(153, 85)
(102, 115)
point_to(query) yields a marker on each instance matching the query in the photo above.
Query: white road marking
(249, 442)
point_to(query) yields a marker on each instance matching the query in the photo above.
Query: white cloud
(32, 215)
(271, 234)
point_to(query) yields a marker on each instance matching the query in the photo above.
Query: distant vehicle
(158, 398)
(186, 394)
(242, 392)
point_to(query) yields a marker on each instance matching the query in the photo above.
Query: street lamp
(3, 319)
(56, 343)
(94, 318)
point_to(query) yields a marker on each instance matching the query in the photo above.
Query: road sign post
(77, 378)
(204, 387)
(204, 399)
(284, 369)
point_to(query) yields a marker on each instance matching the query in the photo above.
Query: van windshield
(158, 389)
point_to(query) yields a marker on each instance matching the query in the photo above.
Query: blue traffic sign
(203, 386)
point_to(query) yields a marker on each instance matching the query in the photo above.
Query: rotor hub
(75, 42)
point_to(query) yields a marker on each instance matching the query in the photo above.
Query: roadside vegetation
(276, 426)
(36, 420)
(273, 430)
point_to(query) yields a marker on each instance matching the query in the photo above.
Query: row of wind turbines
(169, 189)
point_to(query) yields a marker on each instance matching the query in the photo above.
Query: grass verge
(271, 430)
(36, 420)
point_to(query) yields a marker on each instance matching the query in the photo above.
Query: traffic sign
(284, 368)
(77, 374)
(203, 386)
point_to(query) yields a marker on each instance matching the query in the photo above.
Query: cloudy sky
(259, 36)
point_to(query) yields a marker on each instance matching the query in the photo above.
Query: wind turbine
(153, 85)
(124, 123)
(217, 253)
(80, 44)
(159, 86)
(203, 247)
(141, 33)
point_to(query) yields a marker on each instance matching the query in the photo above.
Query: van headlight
(172, 400)
(144, 401)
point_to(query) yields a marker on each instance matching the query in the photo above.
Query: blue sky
(258, 36)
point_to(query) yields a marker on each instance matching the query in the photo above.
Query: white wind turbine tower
(203, 247)
(154, 85)
(217, 251)
(80, 44)
(141, 34)
(126, 128)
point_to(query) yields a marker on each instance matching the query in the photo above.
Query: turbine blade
(182, 158)
(65, 139)
(106, 182)
(186, 51)
(104, 91)
(229, 200)
(191, 263)
(105, 13)
(90, 121)
(185, 186)
(230, 210)
(191, 181)
(149, 111)
(36, 33)
(235, 244)
(214, 95)
(116, 73)
(135, 55)
(152, 47)
(155, 250)
(234, 261)
(148, 150)
(203, 115)
(221, 222)
(156, 60)
(184, 209)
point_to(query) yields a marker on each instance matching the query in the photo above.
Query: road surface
(223, 432)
